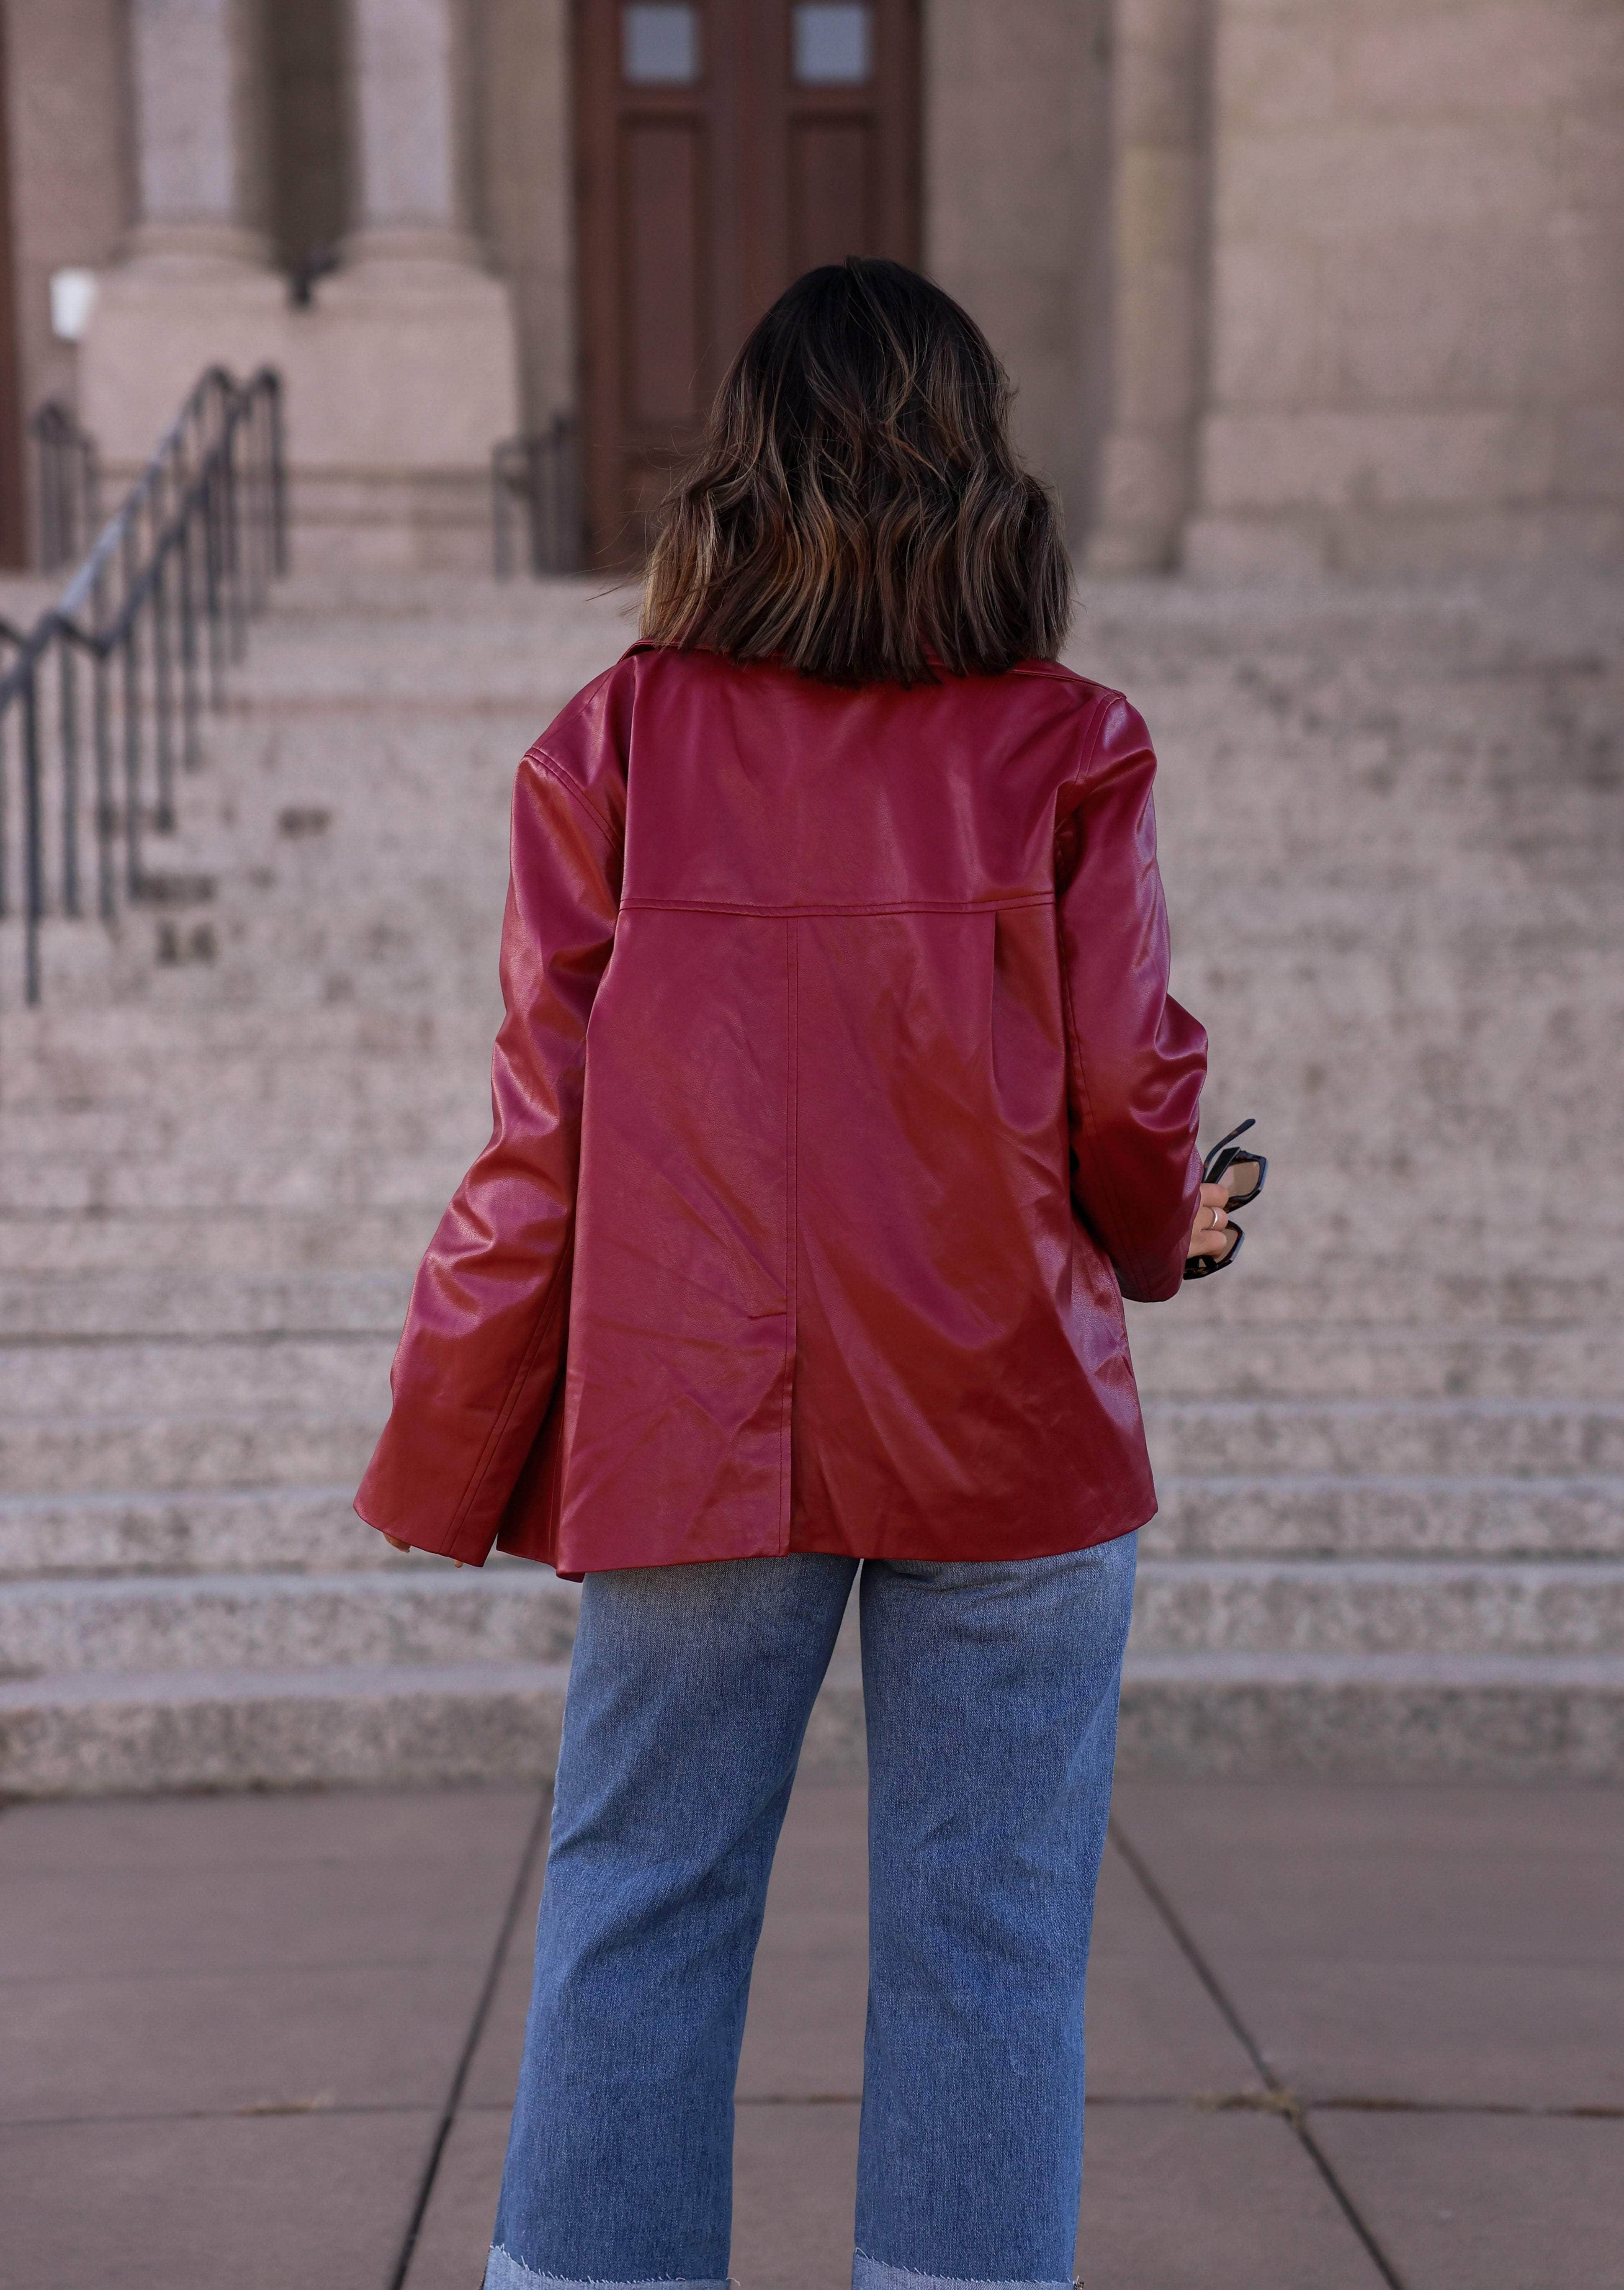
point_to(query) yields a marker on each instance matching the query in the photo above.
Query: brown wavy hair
(856, 510)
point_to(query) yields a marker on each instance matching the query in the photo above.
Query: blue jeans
(991, 1696)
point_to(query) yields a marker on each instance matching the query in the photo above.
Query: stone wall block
(1440, 542)
(1353, 181)
(1429, 62)
(1223, 550)
(1588, 259)
(1340, 461)
(1590, 159)
(1590, 465)
(1266, 323)
(1438, 316)
(1267, 78)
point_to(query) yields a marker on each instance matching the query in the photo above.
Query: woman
(838, 1102)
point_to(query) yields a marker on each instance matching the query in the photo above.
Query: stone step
(1326, 1515)
(1411, 1716)
(1379, 1606)
(190, 1530)
(251, 1270)
(438, 1615)
(313, 1529)
(347, 987)
(157, 1454)
(406, 1615)
(1176, 1355)
(316, 1177)
(332, 1371)
(173, 1247)
(1181, 1350)
(278, 1377)
(1540, 1438)
(143, 1430)
(86, 1734)
(137, 1306)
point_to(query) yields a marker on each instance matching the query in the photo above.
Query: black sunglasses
(1246, 1171)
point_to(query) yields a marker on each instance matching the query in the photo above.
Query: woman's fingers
(395, 1543)
(1209, 1235)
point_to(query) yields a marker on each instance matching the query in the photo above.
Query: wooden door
(724, 147)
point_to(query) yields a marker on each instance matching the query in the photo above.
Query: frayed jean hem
(505, 2272)
(873, 2274)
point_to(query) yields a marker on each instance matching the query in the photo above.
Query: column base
(399, 378)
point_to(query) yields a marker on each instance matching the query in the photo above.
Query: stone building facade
(1284, 284)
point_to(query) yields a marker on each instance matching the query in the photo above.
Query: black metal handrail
(70, 485)
(539, 477)
(157, 610)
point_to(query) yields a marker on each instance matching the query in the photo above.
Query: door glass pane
(834, 46)
(660, 44)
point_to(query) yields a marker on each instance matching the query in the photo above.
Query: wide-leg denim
(991, 1694)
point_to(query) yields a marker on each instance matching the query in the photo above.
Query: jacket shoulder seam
(1105, 702)
(571, 786)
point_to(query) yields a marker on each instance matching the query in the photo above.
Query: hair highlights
(856, 511)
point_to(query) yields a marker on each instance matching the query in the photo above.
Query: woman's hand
(396, 1545)
(1211, 1234)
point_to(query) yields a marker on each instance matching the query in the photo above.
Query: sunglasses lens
(1245, 1180)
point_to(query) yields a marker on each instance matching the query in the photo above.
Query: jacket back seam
(790, 910)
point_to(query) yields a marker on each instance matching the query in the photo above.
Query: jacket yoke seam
(812, 910)
(1091, 1122)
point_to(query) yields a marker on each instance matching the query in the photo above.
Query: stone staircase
(1389, 1446)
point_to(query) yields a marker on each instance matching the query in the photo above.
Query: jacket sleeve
(484, 1332)
(1136, 1060)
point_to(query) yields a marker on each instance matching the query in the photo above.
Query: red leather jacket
(839, 1100)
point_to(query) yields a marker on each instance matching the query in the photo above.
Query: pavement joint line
(1205, 2102)
(219, 2114)
(533, 1843)
(1284, 2103)
(198, 1340)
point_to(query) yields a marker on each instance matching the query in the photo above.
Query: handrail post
(67, 705)
(101, 706)
(279, 476)
(34, 856)
(191, 759)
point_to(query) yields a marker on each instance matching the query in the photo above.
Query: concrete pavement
(1339, 2034)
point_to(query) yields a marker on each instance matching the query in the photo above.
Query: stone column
(200, 175)
(1158, 192)
(195, 287)
(404, 108)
